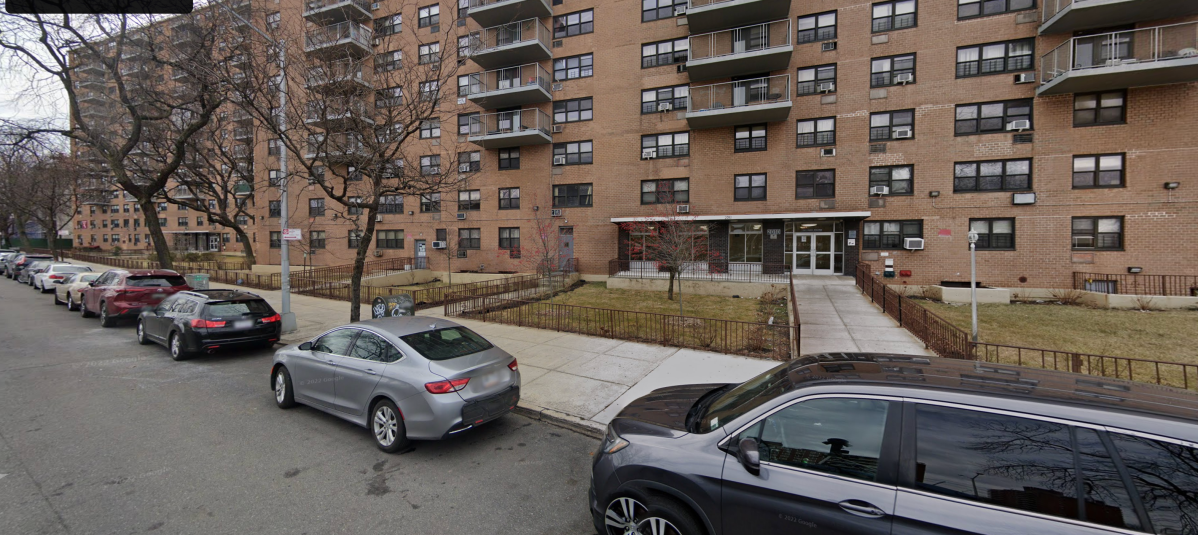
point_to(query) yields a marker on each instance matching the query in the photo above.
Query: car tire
(83, 310)
(284, 395)
(659, 516)
(175, 344)
(141, 333)
(57, 301)
(71, 302)
(386, 425)
(105, 319)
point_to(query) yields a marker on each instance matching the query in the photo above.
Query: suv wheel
(660, 517)
(141, 333)
(105, 319)
(284, 396)
(386, 424)
(175, 344)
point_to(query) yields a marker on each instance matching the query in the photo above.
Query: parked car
(26, 275)
(205, 320)
(44, 280)
(403, 378)
(4, 254)
(68, 290)
(16, 265)
(123, 293)
(877, 443)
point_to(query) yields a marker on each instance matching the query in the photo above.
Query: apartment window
(509, 159)
(272, 21)
(890, 234)
(182, 221)
(660, 9)
(429, 89)
(469, 200)
(576, 153)
(992, 117)
(995, 58)
(666, 145)
(430, 128)
(388, 25)
(469, 124)
(355, 239)
(980, 8)
(464, 46)
(161, 208)
(570, 111)
(568, 195)
(509, 238)
(428, 16)
(274, 147)
(820, 27)
(389, 239)
(315, 207)
(386, 98)
(1099, 108)
(116, 238)
(469, 162)
(812, 80)
(665, 53)
(819, 184)
(816, 132)
(463, 9)
(892, 70)
(1098, 233)
(430, 165)
(276, 239)
(317, 174)
(388, 61)
(745, 242)
(749, 187)
(890, 125)
(430, 203)
(161, 222)
(573, 67)
(572, 24)
(653, 99)
(1098, 171)
(468, 84)
(242, 220)
(469, 238)
(894, 15)
(316, 239)
(669, 191)
(391, 204)
(275, 209)
(354, 206)
(896, 177)
(1000, 175)
(994, 234)
(274, 178)
(749, 138)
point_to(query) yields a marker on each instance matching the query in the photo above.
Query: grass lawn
(436, 284)
(597, 294)
(1166, 335)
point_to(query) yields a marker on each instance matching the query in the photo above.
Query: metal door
(565, 250)
(214, 242)
(421, 258)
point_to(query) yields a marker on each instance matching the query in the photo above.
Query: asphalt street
(101, 435)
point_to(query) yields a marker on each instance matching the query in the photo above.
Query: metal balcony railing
(336, 108)
(507, 122)
(741, 93)
(336, 146)
(243, 189)
(523, 31)
(336, 71)
(745, 39)
(1052, 7)
(312, 6)
(243, 133)
(1142, 45)
(532, 74)
(336, 33)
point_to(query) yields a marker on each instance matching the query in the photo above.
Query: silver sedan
(403, 378)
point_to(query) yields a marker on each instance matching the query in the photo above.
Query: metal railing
(1137, 284)
(754, 38)
(691, 4)
(312, 6)
(344, 144)
(795, 342)
(532, 74)
(506, 122)
(336, 71)
(704, 271)
(337, 108)
(740, 93)
(334, 33)
(1052, 7)
(316, 277)
(509, 34)
(1142, 45)
(484, 3)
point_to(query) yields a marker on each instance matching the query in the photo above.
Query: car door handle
(370, 371)
(331, 361)
(861, 508)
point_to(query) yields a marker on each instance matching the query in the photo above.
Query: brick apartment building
(805, 136)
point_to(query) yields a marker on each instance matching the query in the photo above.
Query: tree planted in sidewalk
(671, 242)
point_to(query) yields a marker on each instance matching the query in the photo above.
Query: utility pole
(973, 281)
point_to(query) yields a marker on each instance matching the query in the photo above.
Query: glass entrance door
(814, 253)
(823, 247)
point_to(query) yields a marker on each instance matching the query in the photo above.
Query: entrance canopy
(747, 217)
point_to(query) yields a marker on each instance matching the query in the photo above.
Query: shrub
(116, 250)
(1067, 296)
(1144, 303)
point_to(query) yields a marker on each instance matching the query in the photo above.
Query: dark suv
(206, 320)
(881, 444)
(121, 293)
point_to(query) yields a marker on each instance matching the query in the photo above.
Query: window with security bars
(469, 162)
(992, 117)
(509, 198)
(574, 110)
(428, 16)
(815, 80)
(430, 203)
(816, 132)
(749, 138)
(889, 234)
(316, 239)
(469, 125)
(509, 237)
(274, 147)
(967, 9)
(391, 204)
(892, 70)
(1098, 171)
(430, 165)
(660, 9)
(572, 24)
(570, 195)
(889, 125)
(817, 184)
(470, 200)
(668, 191)
(665, 145)
(818, 27)
(429, 53)
(665, 52)
(994, 234)
(749, 187)
(575, 153)
(1097, 233)
(995, 58)
(893, 15)
(653, 100)
(469, 238)
(389, 239)
(388, 25)
(573, 67)
(998, 175)
(1090, 109)
(509, 159)
(315, 207)
(896, 177)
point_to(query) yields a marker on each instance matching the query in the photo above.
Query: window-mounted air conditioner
(1019, 125)
(679, 11)
(681, 67)
(879, 190)
(904, 79)
(378, 253)
(463, 168)
(559, 160)
(665, 106)
(438, 245)
(902, 133)
(556, 212)
(684, 208)
(648, 154)
(557, 128)
(461, 216)
(827, 87)
(378, 218)
(1025, 77)
(827, 46)
(827, 152)
(913, 244)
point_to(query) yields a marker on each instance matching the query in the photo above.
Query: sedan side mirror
(92, 283)
(749, 456)
(306, 346)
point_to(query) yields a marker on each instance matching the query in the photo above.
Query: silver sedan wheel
(280, 387)
(626, 516)
(386, 425)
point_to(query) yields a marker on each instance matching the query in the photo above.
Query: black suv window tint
(187, 307)
(745, 397)
(444, 344)
(1107, 501)
(152, 281)
(167, 303)
(997, 459)
(238, 308)
(370, 346)
(336, 342)
(837, 435)
(1165, 476)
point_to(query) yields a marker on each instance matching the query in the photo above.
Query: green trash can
(197, 281)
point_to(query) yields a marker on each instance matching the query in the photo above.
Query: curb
(561, 419)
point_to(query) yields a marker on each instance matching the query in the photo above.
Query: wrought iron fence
(708, 271)
(1137, 284)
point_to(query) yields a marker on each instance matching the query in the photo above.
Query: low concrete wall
(417, 276)
(1150, 302)
(1009, 295)
(962, 295)
(720, 288)
(464, 278)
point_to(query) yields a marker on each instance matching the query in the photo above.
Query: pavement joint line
(37, 484)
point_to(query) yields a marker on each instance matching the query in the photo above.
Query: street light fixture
(973, 281)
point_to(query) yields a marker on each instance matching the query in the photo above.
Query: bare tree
(40, 185)
(541, 251)
(673, 242)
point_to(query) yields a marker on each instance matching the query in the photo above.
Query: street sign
(291, 234)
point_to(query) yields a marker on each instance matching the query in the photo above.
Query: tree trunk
(680, 295)
(161, 249)
(246, 247)
(25, 245)
(355, 281)
(670, 289)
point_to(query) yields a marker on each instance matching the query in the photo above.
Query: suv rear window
(238, 308)
(153, 281)
(445, 344)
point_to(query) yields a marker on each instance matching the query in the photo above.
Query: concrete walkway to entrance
(837, 318)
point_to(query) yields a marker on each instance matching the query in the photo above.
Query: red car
(123, 293)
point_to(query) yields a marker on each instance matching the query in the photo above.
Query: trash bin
(197, 281)
(393, 306)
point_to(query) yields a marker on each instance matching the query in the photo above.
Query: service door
(565, 251)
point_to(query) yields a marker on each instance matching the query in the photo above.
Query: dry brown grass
(598, 295)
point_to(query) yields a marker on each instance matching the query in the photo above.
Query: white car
(55, 272)
(69, 290)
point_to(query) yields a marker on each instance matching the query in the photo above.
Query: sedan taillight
(271, 319)
(445, 387)
(206, 324)
(513, 366)
(55, 277)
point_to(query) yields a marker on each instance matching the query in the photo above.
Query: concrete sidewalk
(837, 318)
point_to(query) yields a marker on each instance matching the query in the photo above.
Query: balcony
(240, 116)
(712, 15)
(1135, 58)
(760, 100)
(183, 192)
(243, 189)
(746, 50)
(327, 11)
(495, 12)
(241, 134)
(518, 43)
(337, 111)
(338, 76)
(343, 38)
(341, 147)
(90, 97)
(1068, 16)
(98, 197)
(510, 87)
(510, 129)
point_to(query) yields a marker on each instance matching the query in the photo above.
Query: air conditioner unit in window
(902, 133)
(1025, 77)
(559, 160)
(827, 45)
(681, 67)
(557, 129)
(879, 190)
(556, 212)
(679, 11)
(557, 87)
(463, 168)
(665, 106)
(1019, 125)
(684, 208)
(438, 245)
(904, 79)
(378, 41)
(378, 253)
(648, 154)
(827, 87)
(913, 244)
(827, 152)
(461, 216)
(374, 5)
(378, 218)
